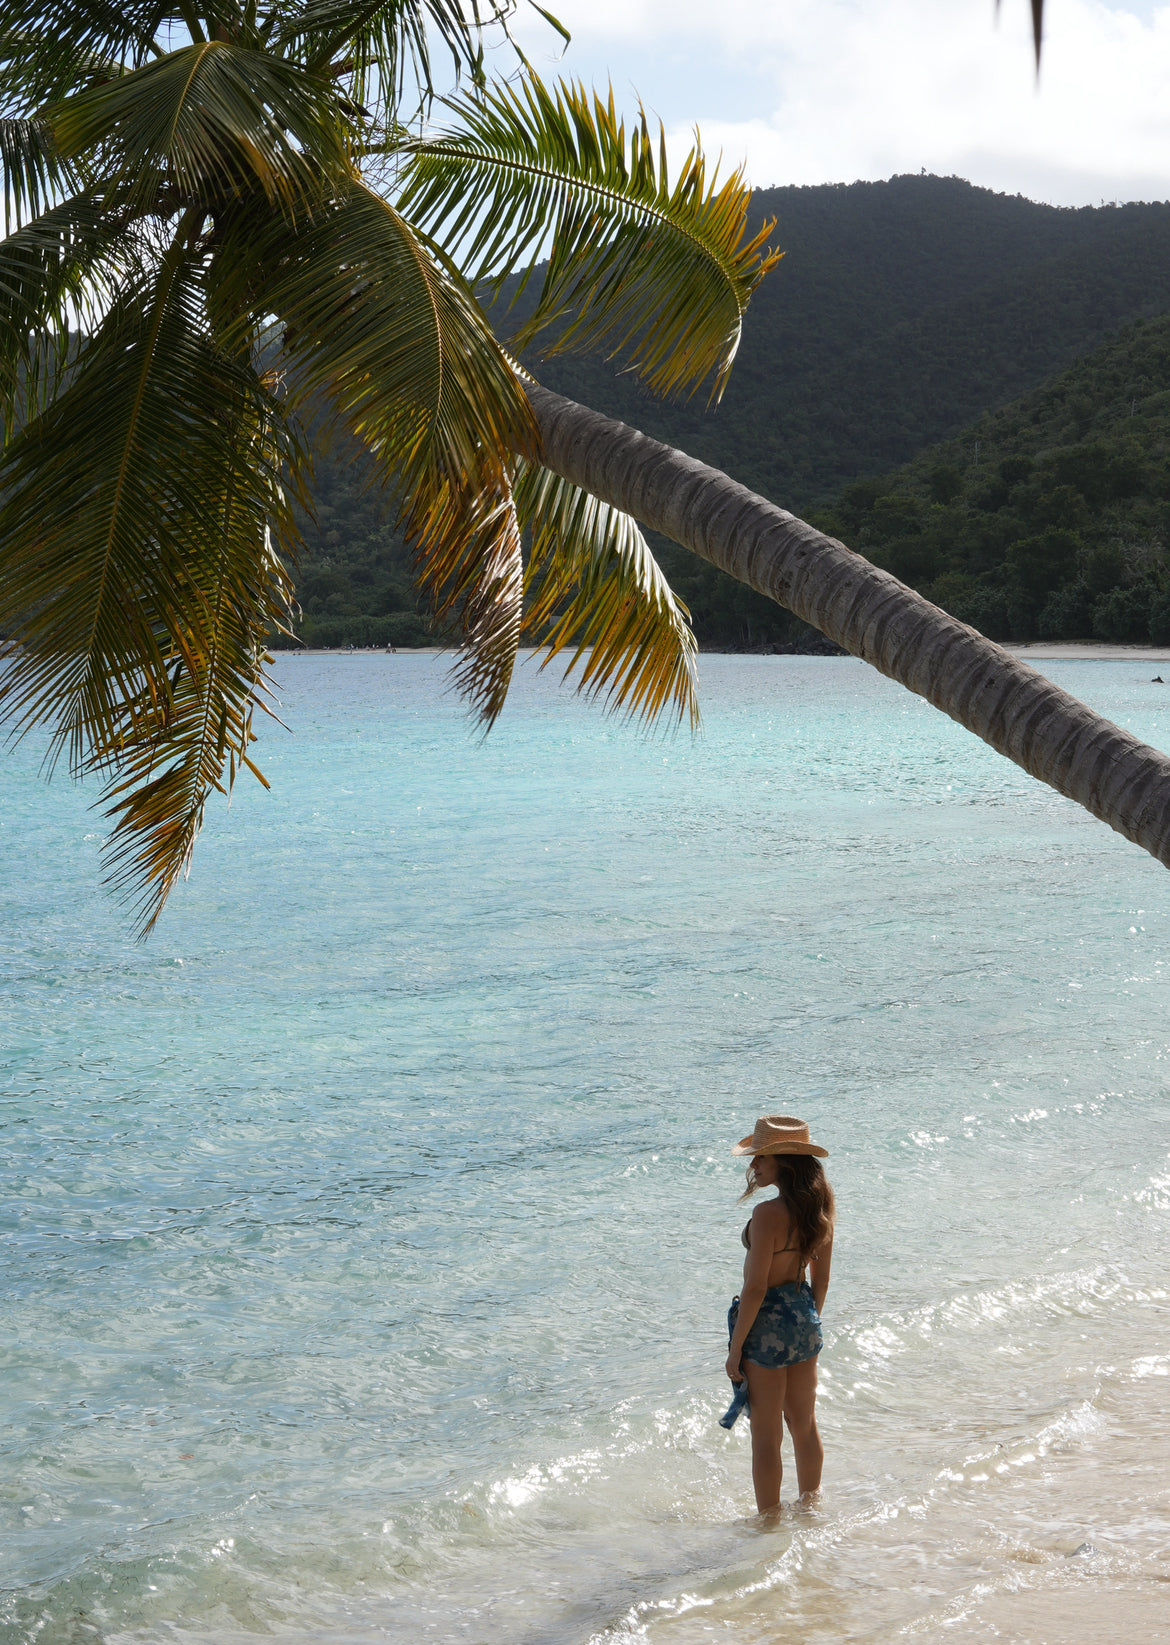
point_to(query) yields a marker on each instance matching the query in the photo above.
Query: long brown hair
(807, 1197)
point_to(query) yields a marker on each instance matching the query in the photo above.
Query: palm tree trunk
(868, 612)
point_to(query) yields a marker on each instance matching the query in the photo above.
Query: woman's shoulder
(771, 1216)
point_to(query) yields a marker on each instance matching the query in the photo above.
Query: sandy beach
(1079, 651)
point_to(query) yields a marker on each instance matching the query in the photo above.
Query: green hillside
(354, 583)
(1047, 520)
(902, 312)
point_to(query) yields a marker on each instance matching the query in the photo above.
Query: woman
(775, 1324)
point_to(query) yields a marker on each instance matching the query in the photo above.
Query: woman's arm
(819, 1269)
(755, 1282)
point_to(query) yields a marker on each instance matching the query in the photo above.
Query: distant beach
(1084, 651)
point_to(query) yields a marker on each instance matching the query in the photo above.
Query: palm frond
(469, 561)
(393, 341)
(209, 120)
(53, 48)
(595, 588)
(657, 273)
(1037, 27)
(373, 323)
(104, 504)
(168, 763)
(58, 275)
(383, 43)
(35, 176)
(375, 327)
(384, 48)
(139, 575)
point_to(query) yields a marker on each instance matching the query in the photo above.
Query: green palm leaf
(596, 588)
(373, 323)
(87, 488)
(210, 121)
(58, 276)
(139, 570)
(385, 45)
(169, 762)
(377, 328)
(108, 500)
(34, 174)
(51, 49)
(655, 272)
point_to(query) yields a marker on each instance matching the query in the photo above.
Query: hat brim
(748, 1146)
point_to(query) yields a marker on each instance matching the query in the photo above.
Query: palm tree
(228, 244)
(229, 240)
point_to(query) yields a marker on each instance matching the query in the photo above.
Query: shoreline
(1026, 650)
(1074, 651)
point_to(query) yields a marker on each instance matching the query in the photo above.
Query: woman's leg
(766, 1393)
(800, 1413)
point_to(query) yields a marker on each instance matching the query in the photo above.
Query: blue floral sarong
(787, 1329)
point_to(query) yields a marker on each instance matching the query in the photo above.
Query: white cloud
(812, 91)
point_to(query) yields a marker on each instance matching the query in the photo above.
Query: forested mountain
(1049, 519)
(902, 312)
(354, 582)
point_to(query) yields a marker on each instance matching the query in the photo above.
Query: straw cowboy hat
(780, 1134)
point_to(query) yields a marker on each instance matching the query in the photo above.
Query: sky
(829, 91)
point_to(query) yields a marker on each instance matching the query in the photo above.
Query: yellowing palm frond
(169, 762)
(657, 273)
(377, 329)
(596, 589)
(469, 558)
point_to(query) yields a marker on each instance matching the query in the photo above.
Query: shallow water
(368, 1234)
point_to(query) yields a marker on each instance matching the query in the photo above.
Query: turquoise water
(366, 1236)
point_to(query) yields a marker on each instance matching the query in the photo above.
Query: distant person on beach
(775, 1323)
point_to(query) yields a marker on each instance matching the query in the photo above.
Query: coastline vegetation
(1047, 520)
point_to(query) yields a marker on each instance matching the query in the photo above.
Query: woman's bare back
(772, 1222)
